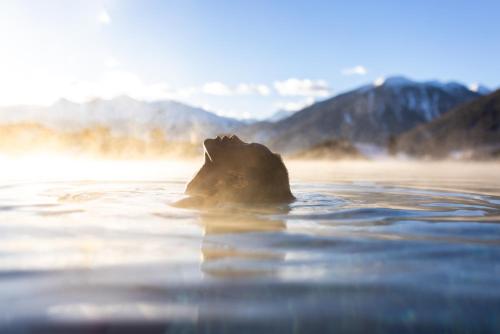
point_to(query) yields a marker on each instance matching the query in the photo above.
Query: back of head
(235, 171)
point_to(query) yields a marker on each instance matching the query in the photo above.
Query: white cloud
(219, 88)
(356, 70)
(103, 17)
(117, 82)
(184, 93)
(216, 88)
(112, 62)
(114, 83)
(294, 105)
(302, 87)
(247, 89)
(32, 87)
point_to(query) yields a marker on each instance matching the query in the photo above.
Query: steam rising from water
(55, 167)
(98, 141)
(430, 174)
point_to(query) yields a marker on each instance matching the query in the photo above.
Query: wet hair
(271, 181)
(245, 173)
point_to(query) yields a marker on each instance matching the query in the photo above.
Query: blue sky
(239, 58)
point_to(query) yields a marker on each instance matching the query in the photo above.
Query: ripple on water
(373, 256)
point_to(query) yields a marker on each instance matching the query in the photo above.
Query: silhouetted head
(235, 171)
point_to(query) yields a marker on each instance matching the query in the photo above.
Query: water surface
(367, 247)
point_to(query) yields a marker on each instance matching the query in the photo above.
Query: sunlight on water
(41, 167)
(370, 244)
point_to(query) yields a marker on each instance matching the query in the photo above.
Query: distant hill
(395, 112)
(125, 116)
(118, 128)
(369, 114)
(471, 130)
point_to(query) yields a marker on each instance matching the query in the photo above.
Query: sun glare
(54, 167)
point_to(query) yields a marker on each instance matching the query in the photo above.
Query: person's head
(235, 171)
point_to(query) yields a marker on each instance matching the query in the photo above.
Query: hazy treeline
(98, 141)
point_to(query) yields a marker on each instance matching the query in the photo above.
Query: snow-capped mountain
(481, 89)
(125, 116)
(369, 114)
(470, 130)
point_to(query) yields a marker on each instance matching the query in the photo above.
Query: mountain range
(410, 116)
(125, 116)
(369, 114)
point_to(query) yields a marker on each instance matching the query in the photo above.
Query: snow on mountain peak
(478, 88)
(394, 81)
(379, 82)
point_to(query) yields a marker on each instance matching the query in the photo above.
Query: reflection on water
(221, 257)
(366, 247)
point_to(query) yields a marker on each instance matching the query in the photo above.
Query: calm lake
(371, 247)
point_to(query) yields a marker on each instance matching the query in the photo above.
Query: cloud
(248, 89)
(103, 17)
(184, 93)
(115, 83)
(216, 88)
(294, 105)
(112, 62)
(356, 70)
(302, 87)
(219, 88)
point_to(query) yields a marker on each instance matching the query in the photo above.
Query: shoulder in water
(238, 172)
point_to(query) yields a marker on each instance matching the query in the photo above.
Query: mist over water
(367, 246)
